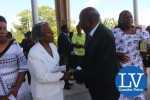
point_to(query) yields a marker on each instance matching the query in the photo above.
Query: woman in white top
(43, 60)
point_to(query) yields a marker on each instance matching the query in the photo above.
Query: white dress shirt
(94, 29)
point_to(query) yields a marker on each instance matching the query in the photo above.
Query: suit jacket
(100, 63)
(64, 44)
(45, 80)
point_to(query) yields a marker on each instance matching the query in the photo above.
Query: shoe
(67, 86)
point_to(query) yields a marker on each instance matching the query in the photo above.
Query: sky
(106, 8)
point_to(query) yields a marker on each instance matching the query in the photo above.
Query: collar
(65, 33)
(94, 29)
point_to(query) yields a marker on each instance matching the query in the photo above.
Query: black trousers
(103, 92)
(76, 61)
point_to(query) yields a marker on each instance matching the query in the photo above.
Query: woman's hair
(27, 34)
(37, 33)
(2, 19)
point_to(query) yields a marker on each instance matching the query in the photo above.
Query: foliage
(110, 23)
(24, 23)
(45, 13)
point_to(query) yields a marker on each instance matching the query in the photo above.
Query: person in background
(148, 45)
(10, 35)
(27, 43)
(100, 62)
(78, 42)
(71, 35)
(65, 49)
(148, 61)
(127, 39)
(148, 29)
(43, 59)
(13, 65)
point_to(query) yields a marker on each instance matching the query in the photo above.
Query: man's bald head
(90, 13)
(89, 17)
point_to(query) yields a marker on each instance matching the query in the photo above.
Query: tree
(49, 15)
(24, 23)
(110, 23)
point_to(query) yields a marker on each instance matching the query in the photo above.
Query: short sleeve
(144, 35)
(120, 43)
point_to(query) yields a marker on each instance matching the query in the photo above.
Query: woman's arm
(122, 57)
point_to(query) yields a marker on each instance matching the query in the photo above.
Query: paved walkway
(79, 92)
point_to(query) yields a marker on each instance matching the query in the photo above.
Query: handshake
(69, 75)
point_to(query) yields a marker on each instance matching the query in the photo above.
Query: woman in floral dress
(127, 45)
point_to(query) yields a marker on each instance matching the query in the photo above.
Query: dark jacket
(64, 44)
(100, 63)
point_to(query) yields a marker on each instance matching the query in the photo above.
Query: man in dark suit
(101, 64)
(64, 42)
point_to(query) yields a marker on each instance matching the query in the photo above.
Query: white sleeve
(38, 69)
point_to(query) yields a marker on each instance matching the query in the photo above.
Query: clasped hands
(68, 75)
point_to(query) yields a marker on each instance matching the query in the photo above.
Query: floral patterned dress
(129, 44)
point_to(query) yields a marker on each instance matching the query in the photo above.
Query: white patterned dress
(129, 44)
(12, 61)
